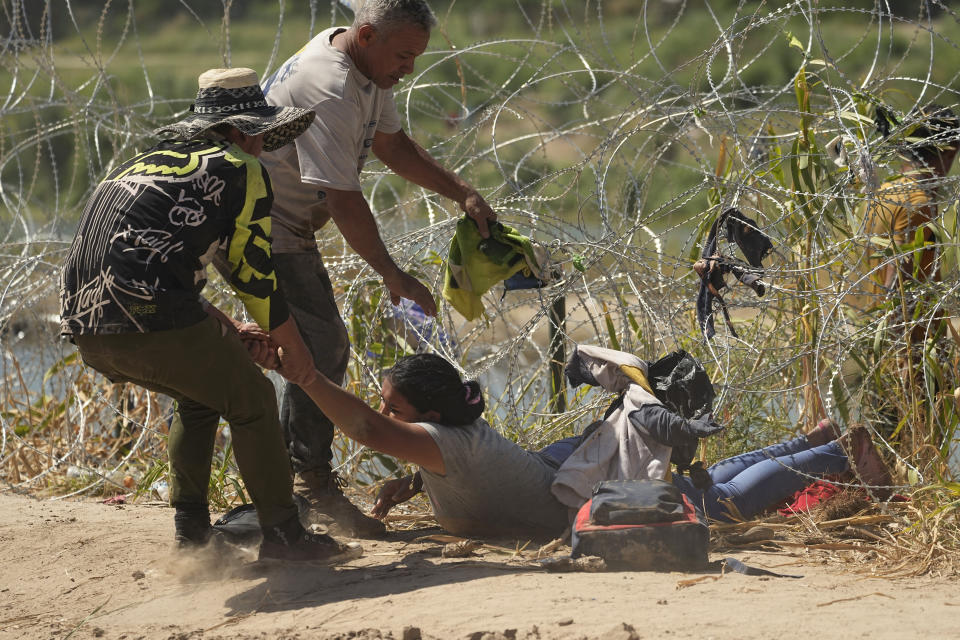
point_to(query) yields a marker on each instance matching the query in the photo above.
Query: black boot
(192, 525)
(291, 542)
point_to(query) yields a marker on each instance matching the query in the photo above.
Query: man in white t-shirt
(345, 75)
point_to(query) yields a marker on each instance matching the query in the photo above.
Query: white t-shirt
(350, 109)
(491, 486)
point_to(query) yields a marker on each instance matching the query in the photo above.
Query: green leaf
(60, 365)
(857, 117)
(432, 258)
(912, 476)
(775, 153)
(795, 164)
(802, 91)
(794, 42)
(50, 415)
(634, 326)
(611, 330)
(880, 240)
(238, 488)
(878, 337)
(388, 463)
(919, 244)
(841, 398)
(952, 487)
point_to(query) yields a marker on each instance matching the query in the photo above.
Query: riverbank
(109, 571)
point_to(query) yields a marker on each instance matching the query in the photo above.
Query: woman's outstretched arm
(404, 440)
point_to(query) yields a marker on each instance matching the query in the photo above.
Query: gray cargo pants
(305, 284)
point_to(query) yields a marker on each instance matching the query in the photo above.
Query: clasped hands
(265, 352)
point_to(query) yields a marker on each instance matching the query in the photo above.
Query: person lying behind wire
(482, 484)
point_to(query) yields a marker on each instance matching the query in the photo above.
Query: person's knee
(252, 402)
(195, 416)
(724, 502)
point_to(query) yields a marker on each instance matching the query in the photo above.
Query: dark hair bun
(473, 400)
(431, 383)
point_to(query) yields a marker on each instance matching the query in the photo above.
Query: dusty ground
(85, 569)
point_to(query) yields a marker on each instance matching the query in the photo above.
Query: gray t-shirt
(350, 109)
(491, 487)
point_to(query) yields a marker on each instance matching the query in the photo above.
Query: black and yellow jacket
(138, 262)
(475, 263)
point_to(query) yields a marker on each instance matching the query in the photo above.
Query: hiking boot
(322, 502)
(192, 528)
(869, 466)
(289, 541)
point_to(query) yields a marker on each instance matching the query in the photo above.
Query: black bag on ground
(646, 525)
(240, 525)
(635, 502)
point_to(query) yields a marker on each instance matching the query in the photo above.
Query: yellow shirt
(899, 209)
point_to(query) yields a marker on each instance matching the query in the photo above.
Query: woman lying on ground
(481, 484)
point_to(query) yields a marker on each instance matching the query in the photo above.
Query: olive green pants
(209, 375)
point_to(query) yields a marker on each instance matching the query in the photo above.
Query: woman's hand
(252, 331)
(263, 353)
(258, 345)
(393, 492)
(403, 285)
(296, 361)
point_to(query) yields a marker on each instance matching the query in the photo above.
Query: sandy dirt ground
(90, 570)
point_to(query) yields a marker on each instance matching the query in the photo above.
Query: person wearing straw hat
(130, 300)
(346, 76)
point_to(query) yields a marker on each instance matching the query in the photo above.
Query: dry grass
(896, 539)
(110, 439)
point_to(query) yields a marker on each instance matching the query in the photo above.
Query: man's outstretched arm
(351, 213)
(409, 160)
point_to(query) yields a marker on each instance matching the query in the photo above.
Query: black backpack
(240, 525)
(641, 525)
(681, 383)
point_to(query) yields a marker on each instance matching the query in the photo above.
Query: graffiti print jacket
(148, 232)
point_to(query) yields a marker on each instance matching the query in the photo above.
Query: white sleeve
(326, 151)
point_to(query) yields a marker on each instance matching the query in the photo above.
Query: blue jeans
(751, 482)
(555, 453)
(755, 481)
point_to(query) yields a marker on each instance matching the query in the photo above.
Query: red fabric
(817, 493)
(809, 497)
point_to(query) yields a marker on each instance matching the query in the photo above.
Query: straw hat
(234, 97)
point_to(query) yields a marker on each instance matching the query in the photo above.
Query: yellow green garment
(475, 263)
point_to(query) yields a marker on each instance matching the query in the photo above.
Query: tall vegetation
(613, 133)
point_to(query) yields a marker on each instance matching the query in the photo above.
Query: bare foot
(826, 431)
(868, 464)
